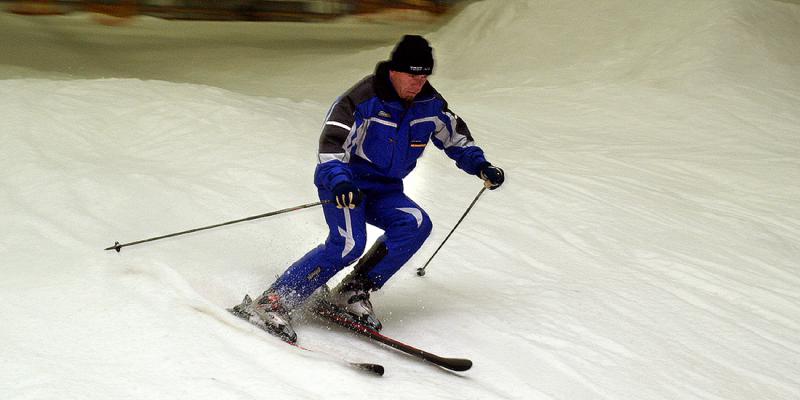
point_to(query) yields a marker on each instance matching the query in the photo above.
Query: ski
(375, 369)
(329, 312)
(372, 368)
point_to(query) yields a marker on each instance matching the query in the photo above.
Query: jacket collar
(385, 90)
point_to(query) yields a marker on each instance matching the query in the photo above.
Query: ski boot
(268, 313)
(352, 297)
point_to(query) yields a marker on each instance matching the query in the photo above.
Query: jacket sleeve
(334, 144)
(453, 136)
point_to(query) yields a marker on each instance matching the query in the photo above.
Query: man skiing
(372, 137)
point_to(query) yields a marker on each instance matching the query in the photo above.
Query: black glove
(346, 195)
(493, 176)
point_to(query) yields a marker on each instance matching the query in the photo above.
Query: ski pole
(117, 246)
(421, 271)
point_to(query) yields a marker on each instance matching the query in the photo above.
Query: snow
(645, 244)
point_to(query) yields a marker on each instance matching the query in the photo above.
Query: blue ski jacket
(371, 135)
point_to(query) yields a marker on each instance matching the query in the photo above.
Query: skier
(371, 139)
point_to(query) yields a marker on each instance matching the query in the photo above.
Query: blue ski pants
(405, 226)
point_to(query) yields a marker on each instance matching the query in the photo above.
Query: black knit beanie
(412, 55)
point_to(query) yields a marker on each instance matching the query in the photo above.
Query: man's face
(407, 85)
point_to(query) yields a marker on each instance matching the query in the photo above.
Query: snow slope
(645, 244)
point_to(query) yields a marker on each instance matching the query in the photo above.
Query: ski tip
(376, 369)
(457, 364)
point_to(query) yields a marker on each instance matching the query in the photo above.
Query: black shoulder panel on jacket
(461, 126)
(342, 116)
(361, 91)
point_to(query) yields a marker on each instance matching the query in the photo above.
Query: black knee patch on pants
(373, 256)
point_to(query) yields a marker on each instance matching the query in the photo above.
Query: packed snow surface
(646, 243)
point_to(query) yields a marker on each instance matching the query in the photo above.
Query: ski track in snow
(644, 246)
